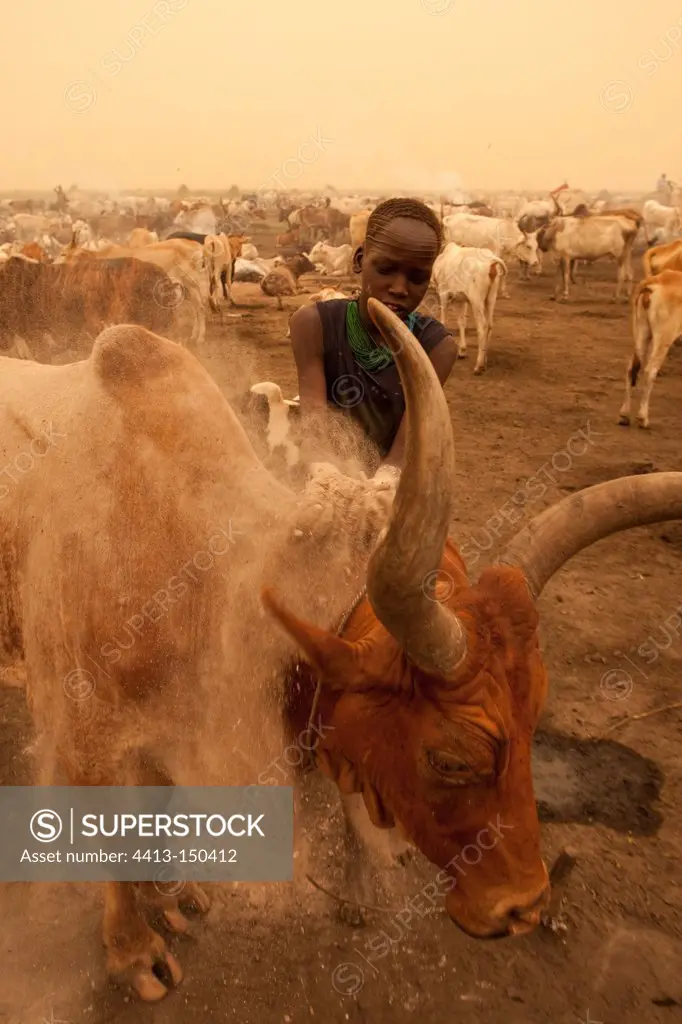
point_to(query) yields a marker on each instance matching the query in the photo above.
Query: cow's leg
(443, 298)
(482, 332)
(565, 271)
(462, 313)
(171, 903)
(631, 375)
(136, 954)
(657, 354)
(371, 852)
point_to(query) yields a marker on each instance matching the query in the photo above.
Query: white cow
(589, 239)
(201, 221)
(219, 266)
(658, 216)
(502, 236)
(249, 251)
(472, 278)
(334, 259)
(28, 227)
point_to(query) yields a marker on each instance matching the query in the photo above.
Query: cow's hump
(128, 355)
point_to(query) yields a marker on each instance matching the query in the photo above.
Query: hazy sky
(398, 93)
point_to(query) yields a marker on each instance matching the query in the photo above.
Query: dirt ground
(554, 370)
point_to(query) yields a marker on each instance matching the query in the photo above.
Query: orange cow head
(434, 691)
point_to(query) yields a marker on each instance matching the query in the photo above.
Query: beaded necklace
(367, 353)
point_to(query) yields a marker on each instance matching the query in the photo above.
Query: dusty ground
(554, 370)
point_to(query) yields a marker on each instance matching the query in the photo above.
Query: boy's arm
(305, 329)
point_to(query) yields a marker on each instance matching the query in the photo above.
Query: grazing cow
(502, 236)
(283, 280)
(429, 697)
(334, 260)
(589, 239)
(473, 277)
(662, 257)
(656, 325)
(656, 215)
(56, 308)
(358, 227)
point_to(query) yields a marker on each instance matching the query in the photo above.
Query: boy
(340, 355)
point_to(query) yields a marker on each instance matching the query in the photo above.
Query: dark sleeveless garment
(375, 399)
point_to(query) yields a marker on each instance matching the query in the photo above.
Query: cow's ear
(337, 661)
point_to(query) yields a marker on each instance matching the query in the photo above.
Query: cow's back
(144, 506)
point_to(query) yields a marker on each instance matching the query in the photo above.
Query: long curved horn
(410, 554)
(581, 519)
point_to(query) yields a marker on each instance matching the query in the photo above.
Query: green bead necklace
(368, 354)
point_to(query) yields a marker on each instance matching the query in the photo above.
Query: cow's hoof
(150, 973)
(643, 424)
(623, 420)
(478, 370)
(152, 984)
(351, 915)
(461, 355)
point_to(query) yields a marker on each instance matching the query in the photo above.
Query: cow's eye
(447, 765)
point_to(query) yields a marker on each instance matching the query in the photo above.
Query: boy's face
(396, 266)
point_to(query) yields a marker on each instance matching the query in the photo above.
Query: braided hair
(390, 209)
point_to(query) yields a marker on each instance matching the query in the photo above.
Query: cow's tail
(641, 326)
(496, 273)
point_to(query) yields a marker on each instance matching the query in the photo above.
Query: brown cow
(288, 238)
(33, 251)
(434, 690)
(656, 325)
(662, 257)
(283, 280)
(60, 307)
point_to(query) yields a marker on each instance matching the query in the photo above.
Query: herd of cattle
(425, 708)
(72, 267)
